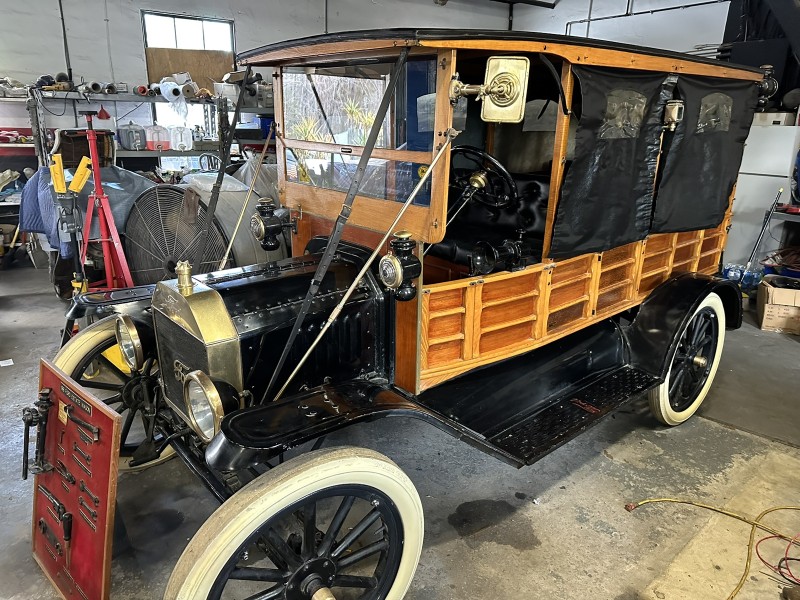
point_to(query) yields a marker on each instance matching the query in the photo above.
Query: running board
(538, 434)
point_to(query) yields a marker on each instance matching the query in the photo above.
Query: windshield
(328, 114)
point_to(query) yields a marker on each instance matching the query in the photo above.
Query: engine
(231, 326)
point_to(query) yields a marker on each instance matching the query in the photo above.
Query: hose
(755, 524)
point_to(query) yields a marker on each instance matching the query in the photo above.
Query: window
(624, 115)
(187, 33)
(180, 33)
(715, 113)
(338, 105)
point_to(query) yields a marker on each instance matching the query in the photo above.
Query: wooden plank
(472, 320)
(601, 57)
(409, 346)
(311, 225)
(559, 158)
(545, 285)
(446, 68)
(432, 377)
(205, 66)
(448, 312)
(425, 319)
(280, 149)
(446, 338)
(500, 301)
(594, 286)
(380, 153)
(637, 270)
(336, 49)
(368, 213)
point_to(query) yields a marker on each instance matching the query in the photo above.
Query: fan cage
(163, 228)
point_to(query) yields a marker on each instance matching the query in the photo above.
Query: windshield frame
(426, 223)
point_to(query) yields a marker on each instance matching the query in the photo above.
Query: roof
(301, 49)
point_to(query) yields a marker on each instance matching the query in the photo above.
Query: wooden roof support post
(559, 157)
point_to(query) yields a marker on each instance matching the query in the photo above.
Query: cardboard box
(778, 308)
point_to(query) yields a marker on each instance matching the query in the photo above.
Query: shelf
(134, 98)
(12, 99)
(14, 145)
(100, 98)
(161, 153)
(257, 109)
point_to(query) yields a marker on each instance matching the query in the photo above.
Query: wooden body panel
(601, 57)
(476, 321)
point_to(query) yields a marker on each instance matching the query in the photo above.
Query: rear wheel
(93, 359)
(694, 364)
(346, 519)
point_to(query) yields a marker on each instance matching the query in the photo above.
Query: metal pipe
(64, 33)
(569, 25)
(247, 198)
(206, 475)
(589, 17)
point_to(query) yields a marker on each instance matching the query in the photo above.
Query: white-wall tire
(279, 490)
(75, 352)
(670, 409)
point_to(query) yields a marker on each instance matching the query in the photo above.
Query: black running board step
(543, 432)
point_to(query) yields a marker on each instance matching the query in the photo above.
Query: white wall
(30, 32)
(679, 30)
(31, 42)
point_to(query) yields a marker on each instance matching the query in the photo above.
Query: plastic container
(132, 136)
(180, 138)
(158, 137)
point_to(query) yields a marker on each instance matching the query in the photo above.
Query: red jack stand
(118, 275)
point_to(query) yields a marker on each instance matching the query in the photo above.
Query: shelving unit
(162, 153)
(39, 118)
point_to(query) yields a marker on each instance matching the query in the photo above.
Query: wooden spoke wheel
(93, 359)
(345, 520)
(694, 364)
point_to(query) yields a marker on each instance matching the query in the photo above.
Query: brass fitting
(184, 271)
(323, 594)
(479, 180)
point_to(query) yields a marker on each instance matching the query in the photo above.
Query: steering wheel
(500, 189)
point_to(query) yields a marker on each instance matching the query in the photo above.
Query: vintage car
(505, 234)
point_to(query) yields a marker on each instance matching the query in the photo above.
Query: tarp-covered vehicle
(509, 270)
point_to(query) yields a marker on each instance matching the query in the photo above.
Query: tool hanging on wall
(117, 272)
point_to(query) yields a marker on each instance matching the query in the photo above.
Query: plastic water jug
(181, 138)
(132, 136)
(157, 137)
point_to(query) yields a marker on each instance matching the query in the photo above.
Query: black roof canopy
(408, 36)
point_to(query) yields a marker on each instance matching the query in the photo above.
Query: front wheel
(93, 359)
(694, 364)
(347, 520)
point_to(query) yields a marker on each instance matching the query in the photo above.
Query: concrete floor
(554, 530)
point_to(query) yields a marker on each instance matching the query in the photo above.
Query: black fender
(254, 435)
(134, 302)
(652, 336)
